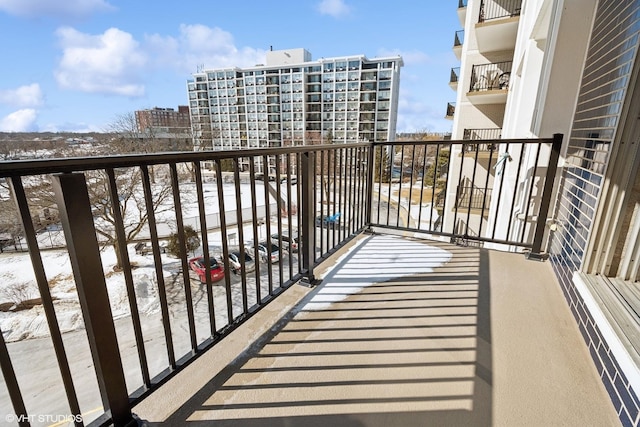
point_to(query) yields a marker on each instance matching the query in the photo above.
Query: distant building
(293, 100)
(166, 120)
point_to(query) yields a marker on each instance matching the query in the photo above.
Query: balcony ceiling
(497, 35)
(457, 51)
(485, 338)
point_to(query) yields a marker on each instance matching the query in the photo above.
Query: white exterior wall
(550, 50)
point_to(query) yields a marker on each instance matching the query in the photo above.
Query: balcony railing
(493, 9)
(458, 38)
(324, 195)
(462, 3)
(455, 75)
(473, 197)
(451, 109)
(490, 133)
(493, 76)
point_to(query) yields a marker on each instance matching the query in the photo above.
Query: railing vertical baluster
(307, 250)
(486, 190)
(342, 188)
(182, 242)
(281, 208)
(369, 187)
(11, 382)
(204, 232)
(530, 193)
(400, 185)
(240, 230)
(157, 262)
(346, 213)
(456, 203)
(267, 206)
(391, 155)
(223, 239)
(335, 208)
(380, 174)
(500, 186)
(536, 250)
(289, 218)
(323, 213)
(515, 190)
(128, 277)
(299, 199)
(254, 212)
(74, 206)
(472, 189)
(17, 190)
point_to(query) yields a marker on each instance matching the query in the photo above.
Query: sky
(77, 65)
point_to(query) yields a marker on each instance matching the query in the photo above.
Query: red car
(197, 264)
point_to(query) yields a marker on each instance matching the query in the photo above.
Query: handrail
(356, 185)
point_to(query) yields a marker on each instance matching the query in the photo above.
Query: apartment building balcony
(490, 83)
(485, 149)
(458, 40)
(451, 109)
(375, 318)
(497, 25)
(453, 79)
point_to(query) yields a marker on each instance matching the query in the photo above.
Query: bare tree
(131, 203)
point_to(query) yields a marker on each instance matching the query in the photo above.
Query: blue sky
(75, 65)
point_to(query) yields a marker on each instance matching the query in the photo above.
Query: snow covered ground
(17, 280)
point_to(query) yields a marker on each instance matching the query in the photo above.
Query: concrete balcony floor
(397, 334)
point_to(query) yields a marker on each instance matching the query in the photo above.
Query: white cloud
(335, 8)
(59, 9)
(23, 96)
(19, 121)
(109, 63)
(201, 45)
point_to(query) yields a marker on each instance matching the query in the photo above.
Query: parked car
(328, 221)
(235, 263)
(198, 266)
(268, 251)
(288, 243)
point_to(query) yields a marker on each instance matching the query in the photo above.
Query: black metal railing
(319, 197)
(489, 133)
(493, 76)
(455, 75)
(496, 9)
(458, 38)
(473, 197)
(451, 109)
(462, 3)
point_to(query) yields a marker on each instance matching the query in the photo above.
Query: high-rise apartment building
(530, 69)
(292, 100)
(164, 119)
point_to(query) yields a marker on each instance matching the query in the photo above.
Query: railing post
(536, 249)
(307, 250)
(74, 205)
(369, 203)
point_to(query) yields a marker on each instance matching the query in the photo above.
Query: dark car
(198, 266)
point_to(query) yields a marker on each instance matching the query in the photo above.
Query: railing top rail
(470, 141)
(76, 164)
